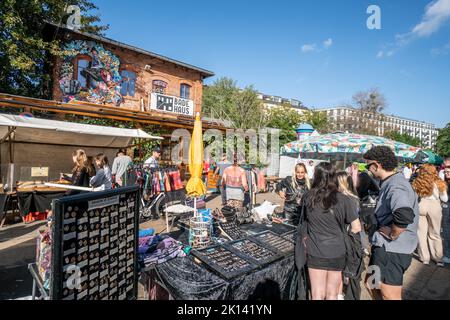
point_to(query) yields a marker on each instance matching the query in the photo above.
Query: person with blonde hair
(80, 175)
(292, 189)
(431, 190)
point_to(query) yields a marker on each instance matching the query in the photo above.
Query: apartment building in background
(347, 119)
(271, 101)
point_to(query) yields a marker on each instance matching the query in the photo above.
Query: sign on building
(171, 104)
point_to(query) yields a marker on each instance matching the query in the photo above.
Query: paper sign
(39, 171)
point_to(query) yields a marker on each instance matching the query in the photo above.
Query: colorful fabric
(348, 143)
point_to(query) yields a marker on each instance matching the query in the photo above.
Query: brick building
(99, 70)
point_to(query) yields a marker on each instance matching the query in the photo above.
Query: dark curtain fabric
(36, 201)
(186, 280)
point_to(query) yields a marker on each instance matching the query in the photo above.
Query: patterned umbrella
(348, 143)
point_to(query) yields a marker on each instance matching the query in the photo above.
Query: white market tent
(27, 142)
(35, 130)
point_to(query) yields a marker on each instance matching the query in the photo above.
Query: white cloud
(440, 51)
(312, 47)
(309, 48)
(380, 54)
(436, 14)
(328, 43)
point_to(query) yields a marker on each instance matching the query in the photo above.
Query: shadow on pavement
(15, 280)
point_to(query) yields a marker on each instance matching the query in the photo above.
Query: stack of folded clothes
(158, 249)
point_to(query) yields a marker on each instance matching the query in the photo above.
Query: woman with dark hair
(327, 212)
(292, 189)
(103, 175)
(80, 176)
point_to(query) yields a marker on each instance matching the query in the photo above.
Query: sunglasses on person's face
(369, 165)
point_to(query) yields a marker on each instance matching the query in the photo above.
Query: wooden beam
(102, 111)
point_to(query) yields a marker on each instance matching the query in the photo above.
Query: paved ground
(17, 249)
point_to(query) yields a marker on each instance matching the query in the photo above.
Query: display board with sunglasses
(95, 241)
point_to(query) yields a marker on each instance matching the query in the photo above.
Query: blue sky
(320, 52)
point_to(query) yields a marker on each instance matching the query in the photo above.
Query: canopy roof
(35, 130)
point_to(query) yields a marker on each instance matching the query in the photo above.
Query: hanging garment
(178, 185)
(161, 181)
(167, 182)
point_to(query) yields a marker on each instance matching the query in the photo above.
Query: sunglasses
(370, 165)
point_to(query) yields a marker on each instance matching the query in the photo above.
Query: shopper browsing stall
(235, 181)
(80, 175)
(397, 216)
(327, 211)
(446, 219)
(431, 191)
(292, 189)
(103, 175)
(119, 167)
(152, 162)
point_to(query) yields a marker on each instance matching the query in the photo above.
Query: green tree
(23, 52)
(318, 120)
(443, 141)
(286, 119)
(403, 137)
(242, 108)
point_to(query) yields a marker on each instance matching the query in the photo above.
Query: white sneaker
(446, 260)
(341, 297)
(440, 264)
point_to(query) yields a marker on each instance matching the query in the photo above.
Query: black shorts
(392, 265)
(329, 264)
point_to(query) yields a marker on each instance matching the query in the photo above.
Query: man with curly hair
(397, 215)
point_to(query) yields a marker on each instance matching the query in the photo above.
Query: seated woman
(292, 189)
(103, 175)
(80, 175)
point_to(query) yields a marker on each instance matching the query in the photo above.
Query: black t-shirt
(325, 237)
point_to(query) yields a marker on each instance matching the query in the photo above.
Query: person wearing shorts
(397, 217)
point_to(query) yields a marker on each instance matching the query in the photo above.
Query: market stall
(247, 261)
(89, 250)
(35, 151)
(347, 148)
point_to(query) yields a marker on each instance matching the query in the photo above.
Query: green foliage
(405, 138)
(318, 120)
(443, 141)
(287, 120)
(23, 52)
(242, 108)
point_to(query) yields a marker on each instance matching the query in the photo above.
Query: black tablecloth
(36, 201)
(185, 279)
(3, 198)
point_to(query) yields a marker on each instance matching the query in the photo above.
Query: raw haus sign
(161, 102)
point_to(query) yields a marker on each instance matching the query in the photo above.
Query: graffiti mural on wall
(98, 79)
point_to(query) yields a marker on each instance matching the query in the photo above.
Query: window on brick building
(185, 90)
(81, 64)
(159, 86)
(128, 83)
